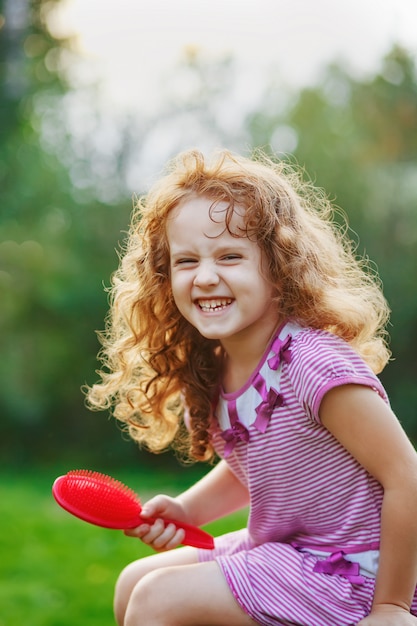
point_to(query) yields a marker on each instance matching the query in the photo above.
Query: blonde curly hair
(155, 363)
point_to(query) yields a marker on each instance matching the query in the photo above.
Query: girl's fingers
(177, 540)
(170, 538)
(155, 531)
(137, 532)
(157, 535)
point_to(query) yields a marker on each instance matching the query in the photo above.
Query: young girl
(240, 309)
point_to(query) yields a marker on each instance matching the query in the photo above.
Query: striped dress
(309, 554)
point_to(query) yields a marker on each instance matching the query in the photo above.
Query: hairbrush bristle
(98, 498)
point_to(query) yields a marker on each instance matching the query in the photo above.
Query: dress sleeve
(321, 361)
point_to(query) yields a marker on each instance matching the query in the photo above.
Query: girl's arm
(217, 494)
(363, 423)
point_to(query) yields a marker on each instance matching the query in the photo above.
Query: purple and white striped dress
(309, 554)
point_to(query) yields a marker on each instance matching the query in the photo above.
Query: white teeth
(214, 305)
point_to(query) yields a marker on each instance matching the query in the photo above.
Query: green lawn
(56, 570)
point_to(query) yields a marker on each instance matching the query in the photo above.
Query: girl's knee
(148, 599)
(184, 595)
(135, 572)
(127, 581)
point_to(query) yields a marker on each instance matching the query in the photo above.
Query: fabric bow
(237, 432)
(283, 352)
(264, 409)
(337, 564)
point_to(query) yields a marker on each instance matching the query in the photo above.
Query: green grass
(56, 570)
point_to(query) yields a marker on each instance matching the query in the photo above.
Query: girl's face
(216, 277)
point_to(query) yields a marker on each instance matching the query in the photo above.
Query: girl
(240, 309)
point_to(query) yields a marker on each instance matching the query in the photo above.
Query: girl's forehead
(217, 211)
(202, 214)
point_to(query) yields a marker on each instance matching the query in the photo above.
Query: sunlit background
(138, 56)
(136, 45)
(95, 96)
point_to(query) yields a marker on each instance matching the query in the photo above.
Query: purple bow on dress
(337, 564)
(282, 352)
(264, 409)
(237, 432)
(271, 398)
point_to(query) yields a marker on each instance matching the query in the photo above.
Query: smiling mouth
(214, 305)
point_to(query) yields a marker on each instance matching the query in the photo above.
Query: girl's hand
(157, 534)
(388, 615)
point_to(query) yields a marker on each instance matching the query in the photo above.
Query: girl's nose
(206, 276)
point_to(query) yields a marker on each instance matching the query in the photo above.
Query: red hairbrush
(104, 501)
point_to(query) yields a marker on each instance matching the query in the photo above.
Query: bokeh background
(95, 96)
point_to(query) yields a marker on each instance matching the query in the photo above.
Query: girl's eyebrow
(231, 247)
(223, 249)
(182, 254)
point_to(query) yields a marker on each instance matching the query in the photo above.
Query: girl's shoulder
(316, 347)
(319, 361)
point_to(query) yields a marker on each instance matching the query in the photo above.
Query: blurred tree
(55, 251)
(358, 140)
(122, 149)
(65, 171)
(63, 176)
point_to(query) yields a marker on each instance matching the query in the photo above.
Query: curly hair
(155, 363)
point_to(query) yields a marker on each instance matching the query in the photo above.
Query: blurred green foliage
(56, 570)
(56, 250)
(357, 138)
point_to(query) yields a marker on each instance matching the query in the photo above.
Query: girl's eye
(231, 257)
(185, 261)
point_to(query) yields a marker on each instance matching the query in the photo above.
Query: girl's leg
(194, 594)
(134, 572)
